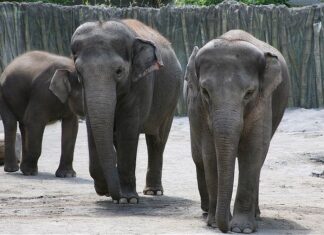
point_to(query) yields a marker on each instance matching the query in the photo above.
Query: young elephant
(38, 88)
(132, 81)
(237, 92)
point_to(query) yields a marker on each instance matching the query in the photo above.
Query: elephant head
(110, 59)
(66, 86)
(232, 80)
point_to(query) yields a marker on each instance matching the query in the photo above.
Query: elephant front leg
(69, 134)
(211, 176)
(244, 220)
(202, 187)
(126, 144)
(200, 171)
(246, 204)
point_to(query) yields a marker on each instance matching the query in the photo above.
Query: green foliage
(117, 3)
(61, 2)
(154, 3)
(264, 2)
(214, 2)
(198, 2)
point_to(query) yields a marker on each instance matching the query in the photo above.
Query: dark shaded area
(296, 32)
(48, 176)
(273, 224)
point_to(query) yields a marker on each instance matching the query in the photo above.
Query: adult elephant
(237, 92)
(132, 80)
(38, 88)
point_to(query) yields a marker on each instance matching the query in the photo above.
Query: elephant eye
(248, 94)
(119, 71)
(205, 93)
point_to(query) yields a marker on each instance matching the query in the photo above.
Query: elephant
(38, 88)
(131, 79)
(237, 91)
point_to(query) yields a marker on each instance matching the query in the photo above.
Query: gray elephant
(132, 80)
(38, 88)
(237, 92)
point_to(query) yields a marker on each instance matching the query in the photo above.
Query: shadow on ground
(273, 224)
(50, 176)
(149, 206)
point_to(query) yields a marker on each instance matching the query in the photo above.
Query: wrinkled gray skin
(38, 88)
(237, 92)
(132, 80)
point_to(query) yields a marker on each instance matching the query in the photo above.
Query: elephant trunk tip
(223, 228)
(223, 223)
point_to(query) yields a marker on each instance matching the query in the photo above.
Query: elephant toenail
(133, 201)
(213, 225)
(149, 192)
(159, 193)
(247, 230)
(236, 230)
(123, 201)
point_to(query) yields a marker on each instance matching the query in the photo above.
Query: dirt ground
(291, 194)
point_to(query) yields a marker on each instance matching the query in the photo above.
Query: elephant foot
(132, 200)
(11, 167)
(258, 214)
(211, 220)
(204, 206)
(101, 188)
(129, 195)
(153, 191)
(242, 223)
(65, 173)
(28, 170)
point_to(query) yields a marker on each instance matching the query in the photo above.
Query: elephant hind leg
(33, 148)
(155, 148)
(10, 128)
(33, 125)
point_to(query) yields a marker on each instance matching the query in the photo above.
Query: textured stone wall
(296, 32)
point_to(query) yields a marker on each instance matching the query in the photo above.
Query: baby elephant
(237, 92)
(38, 88)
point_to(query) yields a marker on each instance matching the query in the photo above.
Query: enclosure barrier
(296, 32)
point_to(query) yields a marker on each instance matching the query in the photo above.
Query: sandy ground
(291, 199)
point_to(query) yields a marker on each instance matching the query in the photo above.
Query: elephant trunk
(227, 130)
(100, 103)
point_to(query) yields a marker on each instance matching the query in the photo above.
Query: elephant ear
(272, 75)
(191, 73)
(60, 84)
(146, 58)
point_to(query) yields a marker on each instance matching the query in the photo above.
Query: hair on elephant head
(66, 86)
(233, 80)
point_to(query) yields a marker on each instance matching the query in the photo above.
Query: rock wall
(296, 32)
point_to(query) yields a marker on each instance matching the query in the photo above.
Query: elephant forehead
(238, 50)
(103, 29)
(230, 59)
